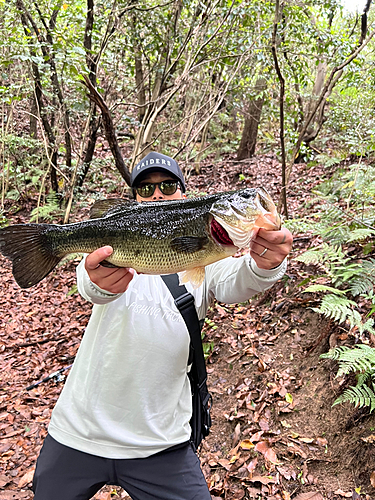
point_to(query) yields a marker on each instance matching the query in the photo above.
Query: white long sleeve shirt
(128, 393)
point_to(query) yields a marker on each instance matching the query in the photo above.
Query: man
(123, 415)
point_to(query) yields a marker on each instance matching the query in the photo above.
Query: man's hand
(111, 279)
(269, 248)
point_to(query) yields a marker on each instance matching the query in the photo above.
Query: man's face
(157, 177)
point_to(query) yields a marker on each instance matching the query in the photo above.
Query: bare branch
(109, 128)
(281, 104)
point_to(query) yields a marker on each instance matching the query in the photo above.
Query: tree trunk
(250, 131)
(33, 118)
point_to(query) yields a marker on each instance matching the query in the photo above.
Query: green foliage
(343, 215)
(342, 310)
(361, 361)
(49, 211)
(3, 219)
(23, 165)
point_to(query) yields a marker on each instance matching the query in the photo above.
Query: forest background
(233, 90)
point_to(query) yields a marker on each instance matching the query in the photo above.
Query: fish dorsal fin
(101, 208)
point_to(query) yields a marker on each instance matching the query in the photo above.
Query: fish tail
(30, 250)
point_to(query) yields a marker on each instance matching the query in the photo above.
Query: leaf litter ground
(275, 434)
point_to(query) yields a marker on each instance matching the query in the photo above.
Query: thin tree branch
(281, 106)
(109, 130)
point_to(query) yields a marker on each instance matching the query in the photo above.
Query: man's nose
(158, 195)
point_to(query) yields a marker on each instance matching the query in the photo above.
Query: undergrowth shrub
(342, 216)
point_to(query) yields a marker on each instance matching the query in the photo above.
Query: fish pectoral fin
(195, 276)
(105, 263)
(189, 244)
(101, 207)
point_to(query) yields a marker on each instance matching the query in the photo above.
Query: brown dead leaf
(236, 435)
(321, 441)
(252, 465)
(343, 494)
(311, 495)
(372, 479)
(103, 496)
(306, 440)
(257, 436)
(224, 462)
(14, 495)
(286, 495)
(271, 456)
(238, 494)
(287, 472)
(262, 479)
(3, 480)
(26, 478)
(264, 448)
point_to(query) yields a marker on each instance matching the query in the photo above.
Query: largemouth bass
(152, 238)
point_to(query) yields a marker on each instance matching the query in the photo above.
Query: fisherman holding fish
(123, 415)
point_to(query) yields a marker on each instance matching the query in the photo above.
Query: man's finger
(275, 237)
(95, 258)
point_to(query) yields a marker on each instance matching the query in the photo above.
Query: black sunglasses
(166, 187)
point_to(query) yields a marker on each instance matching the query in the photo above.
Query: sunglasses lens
(168, 187)
(146, 190)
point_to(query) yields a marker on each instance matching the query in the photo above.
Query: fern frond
(335, 307)
(330, 256)
(360, 358)
(366, 376)
(335, 353)
(365, 279)
(359, 396)
(324, 288)
(314, 256)
(360, 234)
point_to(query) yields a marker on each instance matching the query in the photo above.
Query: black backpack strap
(202, 401)
(185, 304)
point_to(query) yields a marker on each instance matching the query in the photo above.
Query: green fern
(341, 309)
(328, 257)
(364, 281)
(360, 396)
(324, 288)
(48, 211)
(360, 360)
(336, 308)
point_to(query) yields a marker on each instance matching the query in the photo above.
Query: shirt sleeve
(235, 280)
(89, 290)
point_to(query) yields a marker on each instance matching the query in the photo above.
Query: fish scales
(137, 238)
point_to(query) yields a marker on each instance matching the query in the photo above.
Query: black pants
(63, 473)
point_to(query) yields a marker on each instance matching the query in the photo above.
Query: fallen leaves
(269, 454)
(312, 495)
(26, 478)
(40, 333)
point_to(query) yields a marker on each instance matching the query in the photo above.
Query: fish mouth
(219, 234)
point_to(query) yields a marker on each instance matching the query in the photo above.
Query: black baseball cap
(155, 162)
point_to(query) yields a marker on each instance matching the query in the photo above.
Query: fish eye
(247, 193)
